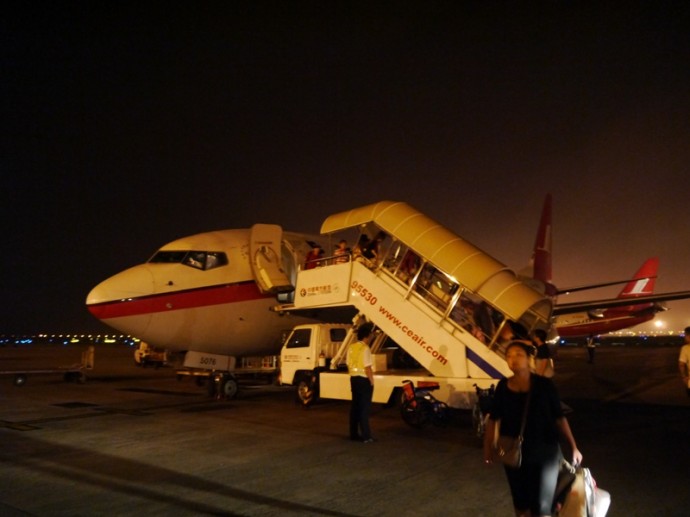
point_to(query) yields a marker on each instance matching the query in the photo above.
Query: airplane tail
(642, 284)
(541, 253)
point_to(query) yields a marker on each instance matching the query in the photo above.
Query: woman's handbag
(508, 449)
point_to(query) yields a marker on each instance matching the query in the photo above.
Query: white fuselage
(177, 306)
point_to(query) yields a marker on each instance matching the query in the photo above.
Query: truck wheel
(306, 392)
(228, 387)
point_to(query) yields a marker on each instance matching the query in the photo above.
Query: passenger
(509, 332)
(362, 243)
(543, 361)
(372, 250)
(533, 483)
(483, 319)
(313, 258)
(342, 253)
(408, 266)
(463, 313)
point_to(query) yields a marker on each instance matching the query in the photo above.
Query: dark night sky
(125, 126)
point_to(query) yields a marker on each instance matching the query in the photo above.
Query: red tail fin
(643, 282)
(541, 254)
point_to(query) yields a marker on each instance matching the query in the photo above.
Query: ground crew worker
(359, 364)
(592, 343)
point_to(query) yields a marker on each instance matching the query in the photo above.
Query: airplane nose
(133, 283)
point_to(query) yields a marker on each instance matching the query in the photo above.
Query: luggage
(577, 494)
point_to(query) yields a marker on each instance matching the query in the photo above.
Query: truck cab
(306, 349)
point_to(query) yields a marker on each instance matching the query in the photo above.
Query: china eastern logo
(317, 290)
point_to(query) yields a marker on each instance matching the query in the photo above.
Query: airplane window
(197, 259)
(216, 259)
(169, 257)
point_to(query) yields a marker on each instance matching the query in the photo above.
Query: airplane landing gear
(224, 386)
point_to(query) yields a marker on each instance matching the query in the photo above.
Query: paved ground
(135, 441)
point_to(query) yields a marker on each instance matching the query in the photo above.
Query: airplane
(595, 317)
(213, 292)
(601, 321)
(210, 292)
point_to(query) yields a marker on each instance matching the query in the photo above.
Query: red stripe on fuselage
(178, 300)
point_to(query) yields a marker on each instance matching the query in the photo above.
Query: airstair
(440, 298)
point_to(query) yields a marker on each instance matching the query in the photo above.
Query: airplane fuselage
(584, 324)
(176, 302)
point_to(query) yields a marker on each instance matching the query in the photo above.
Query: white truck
(308, 350)
(313, 359)
(305, 349)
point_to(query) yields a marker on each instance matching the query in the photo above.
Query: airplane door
(264, 248)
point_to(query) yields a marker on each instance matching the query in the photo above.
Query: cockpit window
(197, 259)
(215, 259)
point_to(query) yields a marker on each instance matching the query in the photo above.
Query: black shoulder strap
(524, 413)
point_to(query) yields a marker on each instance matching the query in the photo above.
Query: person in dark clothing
(360, 245)
(313, 258)
(543, 361)
(372, 250)
(533, 484)
(592, 344)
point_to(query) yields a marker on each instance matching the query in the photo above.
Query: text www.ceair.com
(370, 298)
(413, 335)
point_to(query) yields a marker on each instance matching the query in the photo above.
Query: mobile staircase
(438, 297)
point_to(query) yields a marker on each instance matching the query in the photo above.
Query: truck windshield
(299, 339)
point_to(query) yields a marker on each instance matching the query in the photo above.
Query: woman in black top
(533, 484)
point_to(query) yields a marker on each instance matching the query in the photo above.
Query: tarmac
(133, 441)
